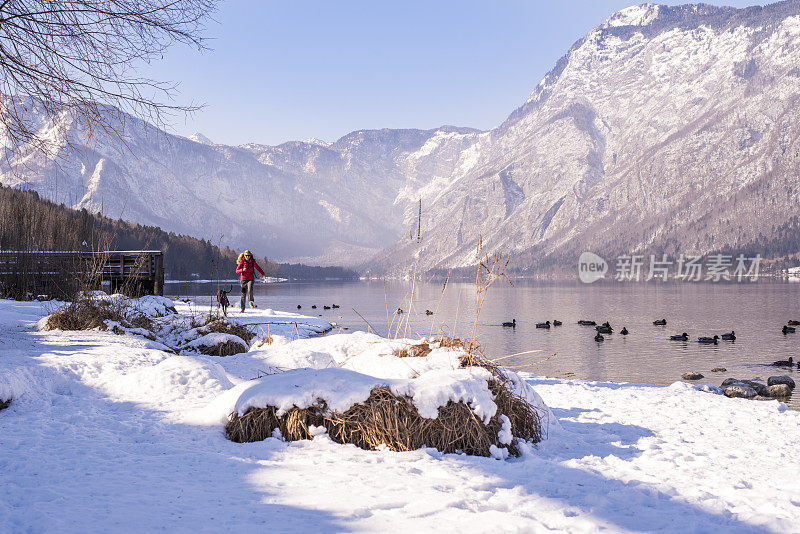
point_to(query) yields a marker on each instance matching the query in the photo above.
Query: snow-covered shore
(109, 432)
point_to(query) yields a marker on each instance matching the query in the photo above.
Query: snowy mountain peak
(640, 15)
(318, 142)
(197, 137)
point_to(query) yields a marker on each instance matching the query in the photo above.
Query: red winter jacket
(245, 268)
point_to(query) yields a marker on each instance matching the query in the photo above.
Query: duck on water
(708, 340)
(680, 337)
(604, 328)
(512, 324)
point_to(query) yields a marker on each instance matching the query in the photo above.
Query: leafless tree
(79, 57)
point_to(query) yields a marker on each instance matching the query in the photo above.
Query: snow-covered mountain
(336, 204)
(664, 129)
(197, 137)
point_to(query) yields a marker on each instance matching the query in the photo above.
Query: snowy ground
(107, 432)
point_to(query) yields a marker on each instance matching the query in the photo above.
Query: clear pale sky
(294, 69)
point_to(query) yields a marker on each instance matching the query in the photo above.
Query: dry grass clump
(211, 324)
(88, 313)
(472, 357)
(449, 342)
(419, 350)
(477, 359)
(258, 424)
(4, 404)
(226, 348)
(392, 420)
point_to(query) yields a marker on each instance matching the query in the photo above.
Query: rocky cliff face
(665, 129)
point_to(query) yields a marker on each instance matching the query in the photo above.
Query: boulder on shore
(741, 391)
(759, 388)
(778, 390)
(783, 379)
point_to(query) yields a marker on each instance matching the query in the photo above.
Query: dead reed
(392, 420)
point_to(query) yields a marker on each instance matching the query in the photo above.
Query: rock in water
(692, 376)
(740, 391)
(759, 388)
(778, 390)
(718, 370)
(783, 379)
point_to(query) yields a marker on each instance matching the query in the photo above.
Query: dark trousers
(247, 291)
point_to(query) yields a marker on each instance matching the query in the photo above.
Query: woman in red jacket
(246, 267)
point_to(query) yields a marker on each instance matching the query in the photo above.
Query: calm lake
(755, 311)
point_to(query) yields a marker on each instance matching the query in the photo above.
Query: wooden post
(158, 274)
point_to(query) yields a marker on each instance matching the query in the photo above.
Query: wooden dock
(60, 273)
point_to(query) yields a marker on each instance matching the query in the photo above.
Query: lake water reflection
(755, 311)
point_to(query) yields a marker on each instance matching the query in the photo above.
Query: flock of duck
(606, 328)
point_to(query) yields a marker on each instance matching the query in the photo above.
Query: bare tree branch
(76, 59)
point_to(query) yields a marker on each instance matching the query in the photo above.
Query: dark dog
(222, 298)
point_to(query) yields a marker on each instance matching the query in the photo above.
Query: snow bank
(175, 378)
(154, 306)
(109, 415)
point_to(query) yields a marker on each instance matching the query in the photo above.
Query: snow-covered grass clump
(366, 390)
(453, 411)
(218, 344)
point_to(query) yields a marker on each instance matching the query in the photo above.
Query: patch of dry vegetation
(88, 313)
(472, 356)
(210, 324)
(392, 420)
(221, 326)
(4, 404)
(418, 350)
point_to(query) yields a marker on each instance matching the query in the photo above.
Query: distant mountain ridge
(666, 128)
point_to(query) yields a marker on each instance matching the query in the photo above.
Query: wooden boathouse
(60, 273)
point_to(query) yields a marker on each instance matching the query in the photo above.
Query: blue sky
(295, 69)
